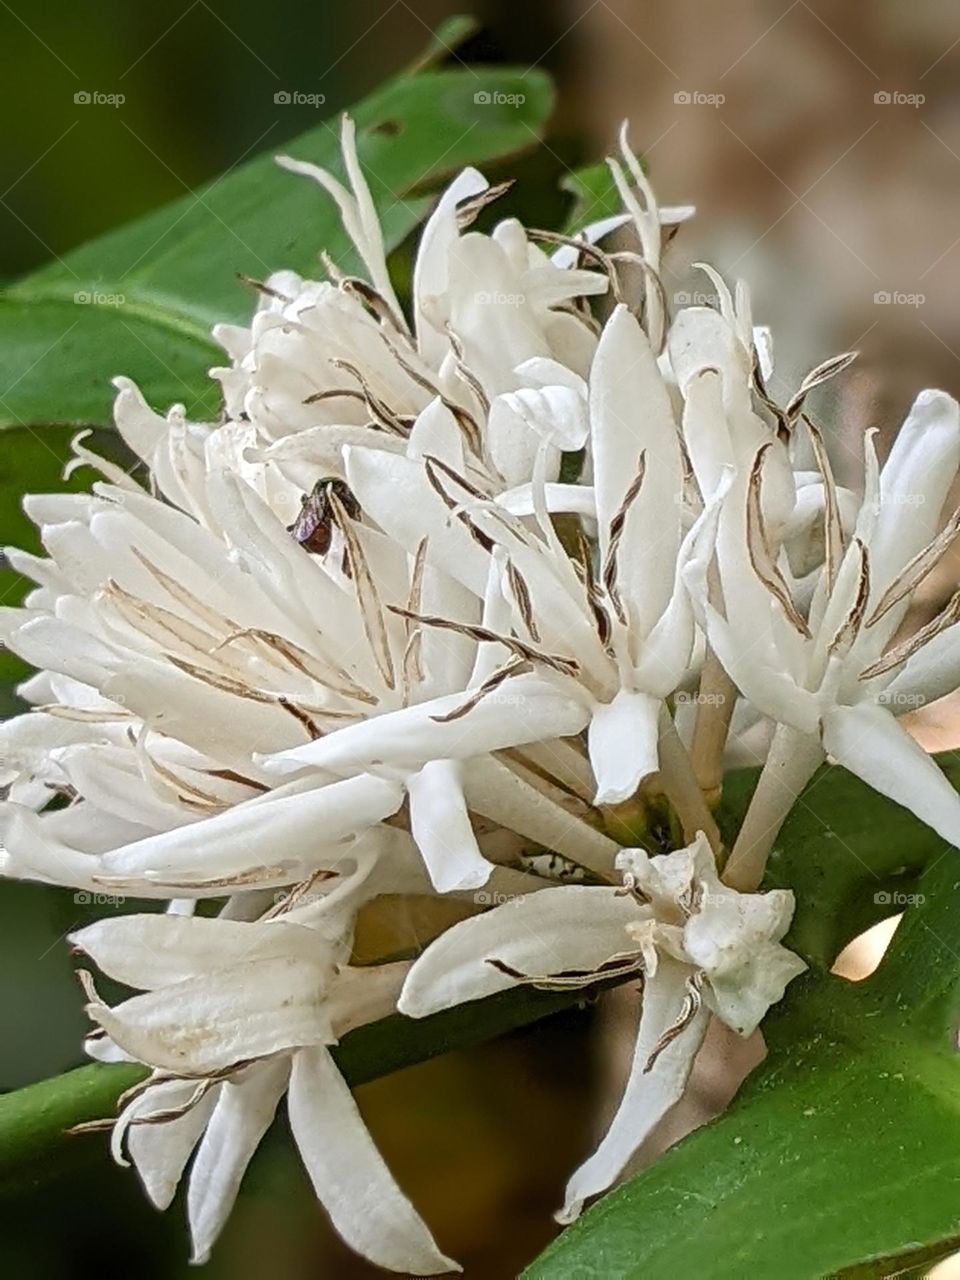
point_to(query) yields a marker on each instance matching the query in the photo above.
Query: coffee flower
(698, 947)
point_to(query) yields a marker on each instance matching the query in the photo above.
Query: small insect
(553, 866)
(313, 527)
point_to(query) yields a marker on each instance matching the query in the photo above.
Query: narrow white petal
(441, 827)
(150, 951)
(757, 674)
(352, 1182)
(868, 741)
(631, 414)
(931, 673)
(160, 1151)
(914, 483)
(280, 837)
(572, 927)
(243, 1113)
(649, 1095)
(623, 744)
(576, 498)
(529, 709)
(395, 492)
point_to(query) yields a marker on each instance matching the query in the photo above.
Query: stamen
(609, 570)
(692, 1004)
(832, 524)
(556, 662)
(816, 378)
(368, 597)
(758, 547)
(915, 570)
(901, 652)
(850, 627)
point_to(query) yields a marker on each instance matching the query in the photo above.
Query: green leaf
(141, 300)
(840, 1156)
(594, 195)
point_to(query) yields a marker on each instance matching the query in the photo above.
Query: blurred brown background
(821, 144)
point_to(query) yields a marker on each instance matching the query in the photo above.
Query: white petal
(868, 741)
(441, 827)
(281, 837)
(205, 1024)
(758, 676)
(436, 434)
(630, 414)
(576, 498)
(622, 741)
(431, 272)
(160, 1151)
(649, 1095)
(243, 1114)
(529, 709)
(575, 927)
(931, 673)
(352, 1182)
(395, 492)
(914, 483)
(150, 951)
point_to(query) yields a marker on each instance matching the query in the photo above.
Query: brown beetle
(313, 527)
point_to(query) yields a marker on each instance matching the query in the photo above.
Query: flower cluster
(480, 593)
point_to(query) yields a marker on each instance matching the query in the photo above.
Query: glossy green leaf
(594, 194)
(141, 300)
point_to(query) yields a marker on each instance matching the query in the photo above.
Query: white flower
(320, 358)
(835, 678)
(699, 946)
